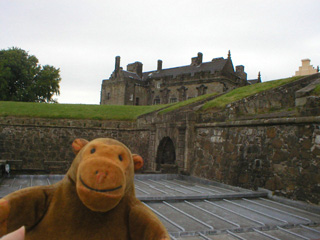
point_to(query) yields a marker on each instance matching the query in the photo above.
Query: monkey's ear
(78, 144)
(138, 162)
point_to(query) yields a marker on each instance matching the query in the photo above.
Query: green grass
(187, 102)
(75, 111)
(246, 91)
(130, 113)
(316, 91)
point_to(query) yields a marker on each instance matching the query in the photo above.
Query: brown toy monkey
(95, 200)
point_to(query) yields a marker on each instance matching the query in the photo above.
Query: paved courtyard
(193, 208)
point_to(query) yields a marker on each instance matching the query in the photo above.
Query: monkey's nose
(101, 176)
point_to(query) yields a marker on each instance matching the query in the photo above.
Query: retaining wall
(44, 145)
(282, 155)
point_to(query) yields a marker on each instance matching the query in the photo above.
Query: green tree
(22, 78)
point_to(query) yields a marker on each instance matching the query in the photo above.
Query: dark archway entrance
(166, 153)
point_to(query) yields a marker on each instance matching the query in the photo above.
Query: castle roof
(217, 64)
(131, 75)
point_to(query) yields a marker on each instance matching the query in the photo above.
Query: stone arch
(166, 153)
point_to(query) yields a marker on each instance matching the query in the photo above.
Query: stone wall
(267, 102)
(113, 93)
(172, 90)
(254, 142)
(140, 96)
(279, 153)
(44, 145)
(282, 155)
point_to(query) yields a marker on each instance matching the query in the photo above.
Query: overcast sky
(82, 37)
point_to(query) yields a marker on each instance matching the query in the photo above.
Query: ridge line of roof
(222, 59)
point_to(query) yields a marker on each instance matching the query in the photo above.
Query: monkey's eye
(93, 150)
(120, 158)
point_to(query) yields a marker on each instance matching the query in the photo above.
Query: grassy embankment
(74, 111)
(246, 91)
(187, 102)
(316, 91)
(130, 113)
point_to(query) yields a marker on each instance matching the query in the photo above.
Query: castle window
(182, 93)
(158, 84)
(202, 90)
(108, 96)
(173, 100)
(156, 101)
(131, 97)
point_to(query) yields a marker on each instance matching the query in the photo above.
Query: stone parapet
(44, 145)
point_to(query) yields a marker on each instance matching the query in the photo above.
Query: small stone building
(135, 87)
(306, 68)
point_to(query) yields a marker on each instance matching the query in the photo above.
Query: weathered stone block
(271, 132)
(216, 139)
(316, 150)
(277, 143)
(306, 144)
(279, 168)
(274, 183)
(244, 178)
(229, 147)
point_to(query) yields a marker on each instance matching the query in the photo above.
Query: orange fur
(95, 200)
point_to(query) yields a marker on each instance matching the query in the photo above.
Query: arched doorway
(166, 153)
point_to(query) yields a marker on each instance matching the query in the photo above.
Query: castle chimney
(135, 67)
(117, 66)
(240, 69)
(195, 61)
(159, 67)
(200, 55)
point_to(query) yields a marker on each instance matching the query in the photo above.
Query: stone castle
(135, 87)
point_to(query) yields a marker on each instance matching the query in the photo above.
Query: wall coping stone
(273, 121)
(308, 89)
(70, 124)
